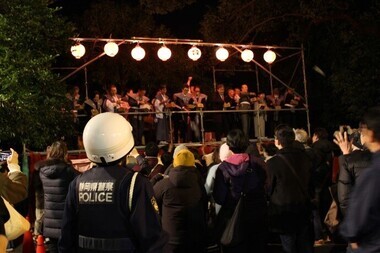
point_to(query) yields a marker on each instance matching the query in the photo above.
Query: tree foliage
(31, 99)
(164, 6)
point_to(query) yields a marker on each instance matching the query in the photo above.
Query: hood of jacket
(183, 176)
(53, 168)
(236, 164)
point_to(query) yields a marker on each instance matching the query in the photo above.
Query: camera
(4, 155)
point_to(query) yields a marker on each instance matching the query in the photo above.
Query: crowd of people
(255, 113)
(181, 200)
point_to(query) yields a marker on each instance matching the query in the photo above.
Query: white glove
(12, 161)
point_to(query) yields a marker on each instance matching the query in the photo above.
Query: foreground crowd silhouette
(182, 200)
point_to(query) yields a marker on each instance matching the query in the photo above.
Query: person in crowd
(242, 172)
(39, 197)
(361, 223)
(160, 104)
(149, 164)
(245, 103)
(56, 174)
(108, 208)
(302, 138)
(322, 177)
(176, 150)
(182, 200)
(289, 182)
(198, 100)
(274, 101)
(181, 121)
(13, 182)
(217, 102)
(4, 217)
(260, 116)
(354, 159)
(224, 153)
(13, 187)
(269, 150)
(137, 121)
(112, 101)
(166, 159)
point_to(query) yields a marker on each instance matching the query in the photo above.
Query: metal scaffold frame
(293, 52)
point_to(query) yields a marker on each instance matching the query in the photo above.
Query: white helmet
(107, 137)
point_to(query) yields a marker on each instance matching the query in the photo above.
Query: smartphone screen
(4, 155)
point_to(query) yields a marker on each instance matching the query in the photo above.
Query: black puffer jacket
(56, 176)
(183, 203)
(350, 167)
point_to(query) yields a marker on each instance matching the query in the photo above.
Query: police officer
(108, 208)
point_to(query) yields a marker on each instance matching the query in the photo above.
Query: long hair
(58, 151)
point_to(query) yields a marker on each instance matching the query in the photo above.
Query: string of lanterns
(164, 53)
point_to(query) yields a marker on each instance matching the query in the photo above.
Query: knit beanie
(184, 158)
(179, 148)
(224, 152)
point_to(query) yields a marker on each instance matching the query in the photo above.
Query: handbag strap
(132, 187)
(247, 171)
(298, 179)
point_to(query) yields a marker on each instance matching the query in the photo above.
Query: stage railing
(168, 114)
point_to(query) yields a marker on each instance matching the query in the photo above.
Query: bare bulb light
(111, 49)
(222, 54)
(194, 53)
(247, 55)
(138, 53)
(164, 53)
(78, 50)
(269, 56)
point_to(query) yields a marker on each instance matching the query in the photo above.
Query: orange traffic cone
(27, 243)
(40, 245)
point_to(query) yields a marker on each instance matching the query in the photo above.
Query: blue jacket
(362, 222)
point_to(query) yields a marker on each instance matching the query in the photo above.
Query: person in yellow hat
(182, 202)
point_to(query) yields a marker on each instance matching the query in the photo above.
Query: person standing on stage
(217, 102)
(181, 121)
(245, 104)
(198, 100)
(160, 103)
(112, 101)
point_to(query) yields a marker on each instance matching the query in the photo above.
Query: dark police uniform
(97, 216)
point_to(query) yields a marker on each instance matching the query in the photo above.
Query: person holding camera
(361, 224)
(13, 183)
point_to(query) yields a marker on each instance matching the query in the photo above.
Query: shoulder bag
(17, 225)
(234, 233)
